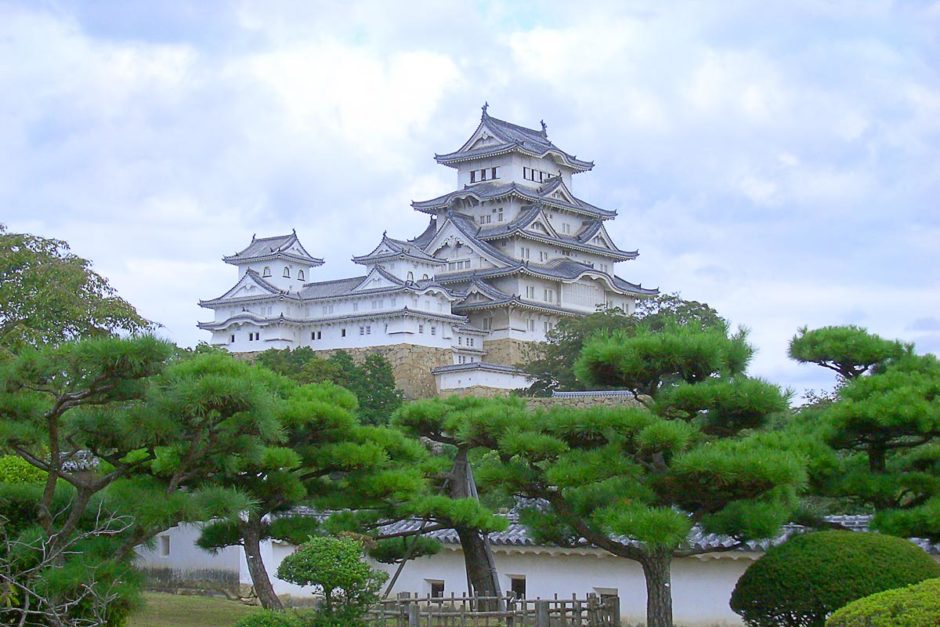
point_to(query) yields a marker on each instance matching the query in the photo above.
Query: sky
(779, 161)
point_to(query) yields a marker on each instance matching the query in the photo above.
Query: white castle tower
(505, 256)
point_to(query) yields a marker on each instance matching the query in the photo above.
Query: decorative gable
(375, 280)
(250, 286)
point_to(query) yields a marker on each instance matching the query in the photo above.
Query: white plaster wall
(185, 555)
(701, 586)
(498, 380)
(293, 283)
(502, 162)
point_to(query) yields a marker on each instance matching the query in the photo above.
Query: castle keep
(504, 257)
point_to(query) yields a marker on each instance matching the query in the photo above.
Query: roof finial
(253, 236)
(486, 105)
(294, 231)
(544, 128)
(383, 234)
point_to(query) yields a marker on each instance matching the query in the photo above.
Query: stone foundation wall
(508, 351)
(583, 402)
(411, 365)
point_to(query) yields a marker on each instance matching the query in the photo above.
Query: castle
(504, 257)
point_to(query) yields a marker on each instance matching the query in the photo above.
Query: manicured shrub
(913, 606)
(335, 565)
(15, 469)
(804, 580)
(271, 618)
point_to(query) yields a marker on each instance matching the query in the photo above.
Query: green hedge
(912, 606)
(14, 469)
(804, 580)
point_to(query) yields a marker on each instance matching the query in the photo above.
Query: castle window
(362, 330)
(487, 324)
(300, 275)
(459, 340)
(266, 272)
(233, 338)
(368, 329)
(499, 214)
(433, 330)
(532, 325)
(342, 332)
(549, 296)
(566, 228)
(286, 274)
(473, 176)
(470, 341)
(517, 586)
(483, 175)
(420, 328)
(355, 306)
(492, 173)
(530, 291)
(164, 546)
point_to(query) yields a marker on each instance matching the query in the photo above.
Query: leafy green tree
(49, 295)
(335, 565)
(455, 503)
(802, 581)
(552, 363)
(372, 382)
(324, 458)
(884, 425)
(112, 424)
(849, 351)
(634, 481)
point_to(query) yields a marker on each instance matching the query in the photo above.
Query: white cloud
(781, 168)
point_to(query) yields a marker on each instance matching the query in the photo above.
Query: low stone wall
(194, 581)
(583, 402)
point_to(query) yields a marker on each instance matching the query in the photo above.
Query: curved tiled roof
(270, 247)
(398, 248)
(492, 191)
(512, 137)
(698, 540)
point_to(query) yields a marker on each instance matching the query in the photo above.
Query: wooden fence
(509, 611)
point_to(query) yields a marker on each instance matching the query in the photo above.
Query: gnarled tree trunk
(656, 569)
(251, 537)
(481, 567)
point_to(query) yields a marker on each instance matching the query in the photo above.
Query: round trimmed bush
(804, 580)
(912, 606)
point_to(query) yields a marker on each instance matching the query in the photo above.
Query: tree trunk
(251, 537)
(481, 567)
(656, 567)
(876, 458)
(480, 571)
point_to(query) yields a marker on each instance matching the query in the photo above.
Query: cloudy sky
(780, 161)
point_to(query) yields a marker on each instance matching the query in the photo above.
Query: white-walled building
(504, 257)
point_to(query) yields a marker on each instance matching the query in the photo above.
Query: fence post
(541, 613)
(614, 604)
(414, 617)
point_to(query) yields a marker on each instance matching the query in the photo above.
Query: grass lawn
(165, 610)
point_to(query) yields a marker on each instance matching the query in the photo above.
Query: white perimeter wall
(701, 586)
